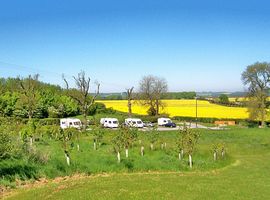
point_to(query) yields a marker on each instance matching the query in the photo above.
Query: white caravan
(163, 121)
(133, 122)
(109, 122)
(70, 123)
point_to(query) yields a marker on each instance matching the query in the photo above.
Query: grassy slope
(247, 178)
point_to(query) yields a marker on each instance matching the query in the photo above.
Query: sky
(195, 45)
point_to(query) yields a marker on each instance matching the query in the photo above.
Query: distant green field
(245, 174)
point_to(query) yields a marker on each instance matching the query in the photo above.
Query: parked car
(148, 124)
(170, 124)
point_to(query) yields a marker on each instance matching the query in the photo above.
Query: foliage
(224, 99)
(189, 139)
(257, 78)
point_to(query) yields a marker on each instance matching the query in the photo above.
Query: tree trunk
(165, 145)
(85, 119)
(118, 157)
(190, 160)
(157, 107)
(78, 147)
(129, 108)
(215, 156)
(67, 159)
(263, 115)
(180, 156)
(31, 140)
(95, 145)
(162, 145)
(126, 152)
(222, 153)
(152, 146)
(182, 153)
(142, 150)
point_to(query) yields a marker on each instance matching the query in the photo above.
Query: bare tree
(29, 97)
(130, 98)
(257, 78)
(151, 89)
(82, 93)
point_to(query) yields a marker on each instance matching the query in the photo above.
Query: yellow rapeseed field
(184, 108)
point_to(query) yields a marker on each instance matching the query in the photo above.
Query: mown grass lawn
(246, 176)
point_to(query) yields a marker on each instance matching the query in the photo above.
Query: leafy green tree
(29, 94)
(29, 131)
(7, 103)
(257, 78)
(224, 99)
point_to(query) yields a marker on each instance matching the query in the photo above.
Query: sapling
(215, 151)
(190, 139)
(142, 150)
(180, 142)
(31, 131)
(129, 135)
(65, 137)
(222, 149)
(118, 144)
(153, 136)
(98, 135)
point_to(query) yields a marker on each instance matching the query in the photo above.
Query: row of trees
(28, 97)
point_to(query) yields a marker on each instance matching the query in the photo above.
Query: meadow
(244, 174)
(185, 108)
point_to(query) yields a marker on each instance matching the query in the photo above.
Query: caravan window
(139, 122)
(76, 123)
(63, 122)
(70, 123)
(110, 122)
(133, 122)
(169, 121)
(115, 122)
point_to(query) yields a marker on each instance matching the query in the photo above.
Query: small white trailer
(70, 123)
(109, 122)
(163, 121)
(134, 122)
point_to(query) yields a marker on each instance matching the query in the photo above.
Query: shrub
(38, 156)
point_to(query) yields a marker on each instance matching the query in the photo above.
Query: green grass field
(159, 175)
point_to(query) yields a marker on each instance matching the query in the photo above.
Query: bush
(6, 145)
(38, 156)
(49, 121)
(17, 169)
(206, 119)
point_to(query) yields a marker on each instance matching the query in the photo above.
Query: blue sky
(195, 45)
